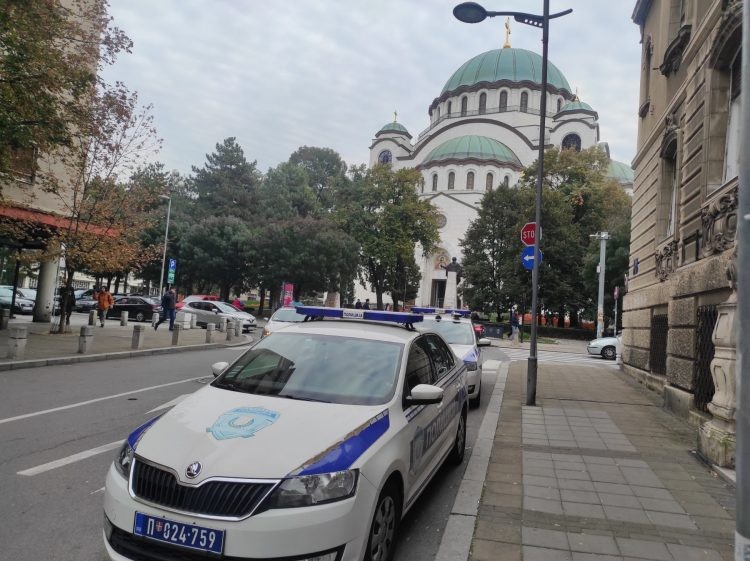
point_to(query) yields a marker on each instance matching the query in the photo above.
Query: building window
(524, 102)
(648, 53)
(506, 181)
(464, 105)
(482, 103)
(571, 142)
(503, 101)
(434, 181)
(488, 183)
(449, 109)
(559, 104)
(732, 155)
(451, 180)
(668, 202)
(385, 157)
(470, 180)
(437, 116)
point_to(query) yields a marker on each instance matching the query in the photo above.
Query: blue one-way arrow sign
(527, 257)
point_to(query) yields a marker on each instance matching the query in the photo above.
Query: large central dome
(513, 65)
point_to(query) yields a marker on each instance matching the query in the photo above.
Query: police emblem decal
(242, 422)
(193, 470)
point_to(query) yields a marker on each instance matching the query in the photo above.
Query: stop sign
(527, 233)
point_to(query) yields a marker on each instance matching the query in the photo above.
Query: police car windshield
(454, 332)
(287, 314)
(317, 368)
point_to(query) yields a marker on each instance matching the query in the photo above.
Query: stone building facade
(679, 309)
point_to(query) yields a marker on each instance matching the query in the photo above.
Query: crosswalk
(559, 357)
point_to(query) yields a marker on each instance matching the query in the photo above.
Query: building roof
(576, 106)
(620, 172)
(473, 148)
(394, 127)
(514, 65)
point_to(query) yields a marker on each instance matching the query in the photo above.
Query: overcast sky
(331, 72)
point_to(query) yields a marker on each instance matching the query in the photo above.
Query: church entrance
(437, 296)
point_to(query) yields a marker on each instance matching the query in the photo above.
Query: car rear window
(288, 315)
(311, 367)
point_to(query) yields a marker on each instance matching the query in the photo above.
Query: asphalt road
(60, 428)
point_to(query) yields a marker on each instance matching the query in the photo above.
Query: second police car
(310, 446)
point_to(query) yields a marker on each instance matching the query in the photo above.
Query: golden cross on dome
(395, 116)
(507, 34)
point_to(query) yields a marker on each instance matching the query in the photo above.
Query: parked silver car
(22, 305)
(208, 311)
(606, 347)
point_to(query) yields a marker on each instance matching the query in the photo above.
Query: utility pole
(602, 237)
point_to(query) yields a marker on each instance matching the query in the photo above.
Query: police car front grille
(215, 498)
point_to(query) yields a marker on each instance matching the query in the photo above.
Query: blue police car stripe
(346, 452)
(137, 433)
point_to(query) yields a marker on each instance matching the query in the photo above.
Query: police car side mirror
(483, 342)
(424, 394)
(218, 367)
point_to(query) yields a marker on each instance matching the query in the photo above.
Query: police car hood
(467, 353)
(235, 434)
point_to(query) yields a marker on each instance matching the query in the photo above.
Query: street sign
(173, 264)
(527, 257)
(170, 277)
(527, 233)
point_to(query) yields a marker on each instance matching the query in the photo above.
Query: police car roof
(360, 329)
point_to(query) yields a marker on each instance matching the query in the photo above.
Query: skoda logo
(193, 470)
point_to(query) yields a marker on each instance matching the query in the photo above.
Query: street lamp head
(165, 197)
(470, 12)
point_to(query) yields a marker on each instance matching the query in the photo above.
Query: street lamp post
(166, 235)
(471, 12)
(602, 237)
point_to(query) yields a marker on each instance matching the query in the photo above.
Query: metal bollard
(230, 330)
(4, 318)
(238, 328)
(17, 342)
(124, 319)
(176, 334)
(139, 332)
(92, 317)
(86, 339)
(223, 325)
(210, 330)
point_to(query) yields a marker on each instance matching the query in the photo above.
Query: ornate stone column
(717, 437)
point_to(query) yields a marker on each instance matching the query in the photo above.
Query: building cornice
(381, 140)
(640, 11)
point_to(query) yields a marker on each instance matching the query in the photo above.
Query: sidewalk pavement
(562, 345)
(109, 342)
(596, 471)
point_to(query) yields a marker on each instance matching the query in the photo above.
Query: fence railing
(703, 383)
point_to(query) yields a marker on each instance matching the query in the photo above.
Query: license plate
(177, 533)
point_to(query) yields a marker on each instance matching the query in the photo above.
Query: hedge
(498, 329)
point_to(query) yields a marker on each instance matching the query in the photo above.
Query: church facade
(483, 131)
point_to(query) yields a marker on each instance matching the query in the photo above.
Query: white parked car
(280, 319)
(209, 311)
(311, 445)
(458, 331)
(606, 347)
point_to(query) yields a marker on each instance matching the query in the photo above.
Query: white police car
(458, 331)
(310, 446)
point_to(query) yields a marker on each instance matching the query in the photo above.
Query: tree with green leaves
(285, 193)
(382, 211)
(325, 171)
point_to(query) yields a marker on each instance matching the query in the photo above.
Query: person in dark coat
(366, 305)
(358, 305)
(168, 310)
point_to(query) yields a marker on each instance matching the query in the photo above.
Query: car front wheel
(382, 540)
(459, 444)
(609, 353)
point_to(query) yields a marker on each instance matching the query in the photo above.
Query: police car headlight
(470, 365)
(124, 459)
(310, 490)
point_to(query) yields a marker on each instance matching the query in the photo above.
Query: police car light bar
(346, 313)
(462, 313)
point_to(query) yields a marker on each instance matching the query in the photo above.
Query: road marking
(71, 459)
(90, 401)
(168, 404)
(97, 491)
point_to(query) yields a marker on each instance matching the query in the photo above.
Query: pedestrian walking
(358, 305)
(66, 305)
(104, 301)
(514, 328)
(168, 309)
(366, 305)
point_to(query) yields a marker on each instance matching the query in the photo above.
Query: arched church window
(667, 212)
(449, 109)
(470, 180)
(559, 104)
(732, 154)
(437, 113)
(464, 105)
(571, 142)
(434, 181)
(524, 102)
(385, 157)
(506, 181)
(451, 180)
(488, 182)
(482, 103)
(503, 101)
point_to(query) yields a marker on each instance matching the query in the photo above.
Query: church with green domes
(483, 132)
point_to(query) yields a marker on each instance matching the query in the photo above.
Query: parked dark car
(85, 304)
(139, 308)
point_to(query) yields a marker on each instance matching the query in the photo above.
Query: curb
(54, 361)
(459, 530)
